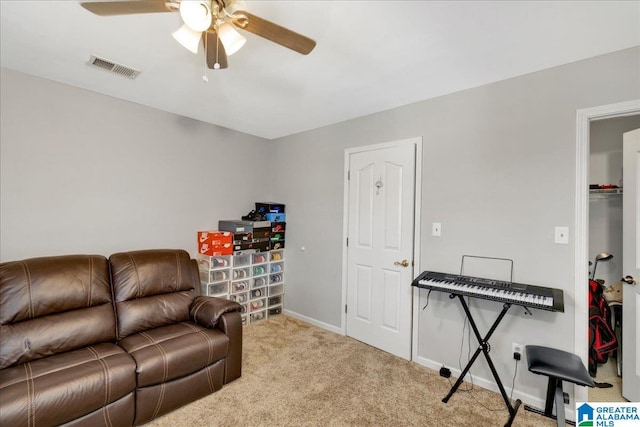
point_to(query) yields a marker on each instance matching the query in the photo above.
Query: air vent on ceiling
(105, 64)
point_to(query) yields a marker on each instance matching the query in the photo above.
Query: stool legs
(557, 366)
(560, 404)
(555, 393)
(551, 390)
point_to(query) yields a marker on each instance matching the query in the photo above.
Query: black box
(240, 238)
(277, 244)
(277, 227)
(262, 233)
(259, 246)
(277, 236)
(267, 207)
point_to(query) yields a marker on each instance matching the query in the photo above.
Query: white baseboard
(314, 322)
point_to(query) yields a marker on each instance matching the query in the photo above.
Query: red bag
(602, 339)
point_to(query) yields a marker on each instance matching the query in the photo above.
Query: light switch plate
(562, 235)
(436, 229)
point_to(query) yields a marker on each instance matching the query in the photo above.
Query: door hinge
(345, 309)
(347, 242)
(348, 175)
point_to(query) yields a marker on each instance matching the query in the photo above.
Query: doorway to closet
(605, 242)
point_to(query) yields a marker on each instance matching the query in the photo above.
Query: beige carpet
(295, 374)
(607, 373)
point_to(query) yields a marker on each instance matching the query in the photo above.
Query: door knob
(630, 280)
(403, 263)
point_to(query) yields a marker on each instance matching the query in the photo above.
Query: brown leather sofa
(118, 342)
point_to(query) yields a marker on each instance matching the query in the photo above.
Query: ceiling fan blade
(276, 33)
(215, 50)
(110, 8)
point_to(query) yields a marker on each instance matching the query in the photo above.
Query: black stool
(559, 366)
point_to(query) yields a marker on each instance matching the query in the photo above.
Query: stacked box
(215, 243)
(249, 284)
(235, 226)
(258, 293)
(275, 291)
(248, 237)
(269, 207)
(261, 231)
(241, 283)
(276, 217)
(215, 274)
(253, 270)
(275, 213)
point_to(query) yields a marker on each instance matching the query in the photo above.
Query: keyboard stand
(484, 347)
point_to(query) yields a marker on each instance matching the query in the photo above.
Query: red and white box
(215, 243)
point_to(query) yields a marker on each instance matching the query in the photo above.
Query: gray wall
(83, 172)
(498, 172)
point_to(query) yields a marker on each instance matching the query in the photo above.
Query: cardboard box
(236, 226)
(215, 243)
(267, 207)
(215, 250)
(215, 237)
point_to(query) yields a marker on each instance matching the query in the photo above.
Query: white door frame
(583, 120)
(417, 141)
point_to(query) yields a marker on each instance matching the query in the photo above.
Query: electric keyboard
(541, 297)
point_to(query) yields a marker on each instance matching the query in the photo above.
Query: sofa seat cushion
(60, 388)
(174, 351)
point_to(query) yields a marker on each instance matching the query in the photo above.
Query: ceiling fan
(215, 22)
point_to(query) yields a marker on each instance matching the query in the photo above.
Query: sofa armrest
(231, 324)
(206, 311)
(223, 314)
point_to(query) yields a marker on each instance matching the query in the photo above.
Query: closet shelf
(605, 193)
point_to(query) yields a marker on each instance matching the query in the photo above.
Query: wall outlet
(562, 235)
(517, 349)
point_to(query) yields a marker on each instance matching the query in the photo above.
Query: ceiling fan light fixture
(187, 37)
(235, 6)
(230, 38)
(196, 14)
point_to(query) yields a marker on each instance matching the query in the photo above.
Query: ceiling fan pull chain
(216, 66)
(204, 66)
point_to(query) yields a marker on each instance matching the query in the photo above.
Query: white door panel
(631, 266)
(381, 209)
(363, 293)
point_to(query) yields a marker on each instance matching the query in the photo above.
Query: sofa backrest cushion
(51, 305)
(152, 288)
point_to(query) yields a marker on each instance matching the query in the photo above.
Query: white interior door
(380, 246)
(631, 266)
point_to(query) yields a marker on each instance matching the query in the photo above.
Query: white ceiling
(370, 55)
